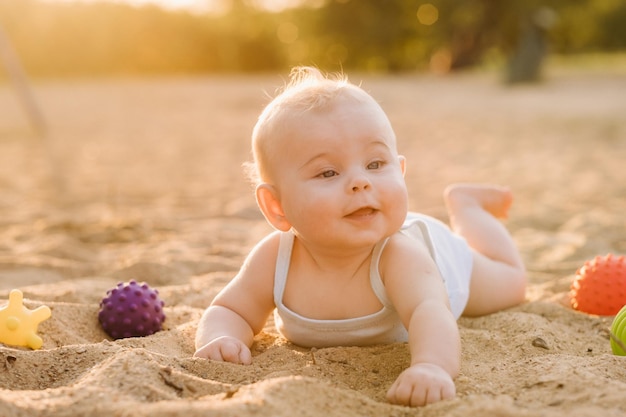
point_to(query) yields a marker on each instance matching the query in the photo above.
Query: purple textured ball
(131, 310)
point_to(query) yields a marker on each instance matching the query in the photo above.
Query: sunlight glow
(196, 6)
(427, 14)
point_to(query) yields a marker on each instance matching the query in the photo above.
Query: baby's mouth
(362, 212)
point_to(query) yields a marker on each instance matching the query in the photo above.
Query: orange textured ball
(600, 286)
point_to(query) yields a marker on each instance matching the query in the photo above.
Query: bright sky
(192, 5)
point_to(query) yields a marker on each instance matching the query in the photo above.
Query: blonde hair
(308, 89)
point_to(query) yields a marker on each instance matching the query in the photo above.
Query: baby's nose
(360, 183)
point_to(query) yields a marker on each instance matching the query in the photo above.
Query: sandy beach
(141, 179)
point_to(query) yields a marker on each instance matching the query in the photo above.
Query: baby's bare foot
(494, 199)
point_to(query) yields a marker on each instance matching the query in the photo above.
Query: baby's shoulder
(401, 247)
(265, 252)
(402, 257)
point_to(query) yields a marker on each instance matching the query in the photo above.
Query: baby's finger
(400, 394)
(448, 391)
(431, 395)
(235, 353)
(204, 352)
(245, 356)
(420, 396)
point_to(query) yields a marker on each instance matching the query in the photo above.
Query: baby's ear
(402, 160)
(269, 202)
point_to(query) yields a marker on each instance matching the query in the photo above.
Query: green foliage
(68, 39)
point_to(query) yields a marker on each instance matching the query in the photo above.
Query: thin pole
(18, 77)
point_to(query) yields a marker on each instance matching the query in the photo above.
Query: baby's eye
(375, 165)
(328, 174)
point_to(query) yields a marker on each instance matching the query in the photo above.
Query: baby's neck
(332, 260)
(329, 285)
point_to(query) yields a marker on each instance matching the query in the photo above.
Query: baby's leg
(498, 275)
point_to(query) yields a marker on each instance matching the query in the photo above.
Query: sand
(141, 179)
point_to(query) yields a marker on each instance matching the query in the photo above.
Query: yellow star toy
(18, 324)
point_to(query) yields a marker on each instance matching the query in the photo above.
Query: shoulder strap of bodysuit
(375, 280)
(282, 266)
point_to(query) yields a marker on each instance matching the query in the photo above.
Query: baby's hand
(227, 349)
(421, 384)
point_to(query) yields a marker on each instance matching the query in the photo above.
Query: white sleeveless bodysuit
(450, 253)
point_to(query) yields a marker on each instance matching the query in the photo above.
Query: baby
(348, 265)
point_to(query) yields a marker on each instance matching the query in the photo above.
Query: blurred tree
(526, 62)
(371, 40)
(64, 39)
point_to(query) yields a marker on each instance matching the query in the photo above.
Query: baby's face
(340, 179)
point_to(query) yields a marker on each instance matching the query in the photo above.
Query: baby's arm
(223, 335)
(227, 328)
(417, 291)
